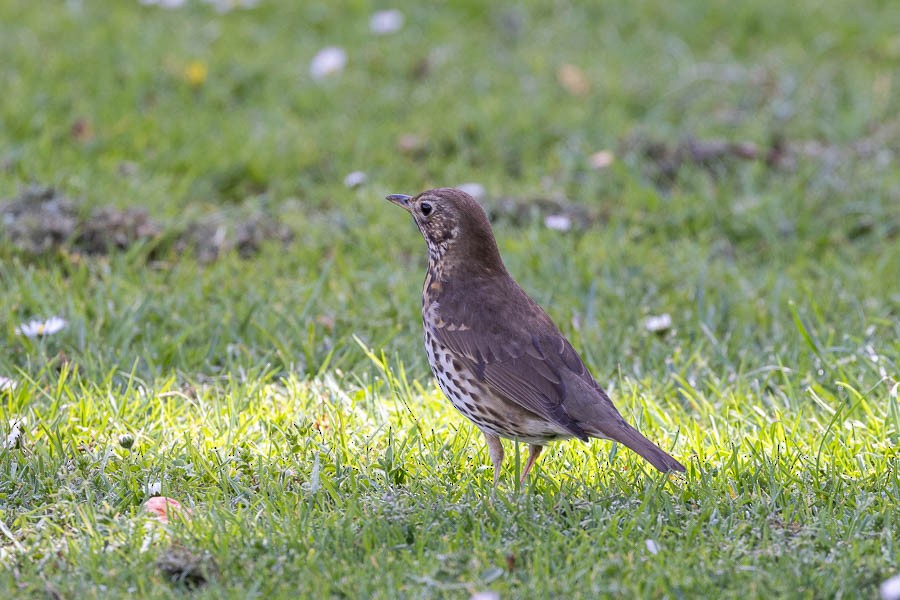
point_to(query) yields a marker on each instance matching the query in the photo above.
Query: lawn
(242, 326)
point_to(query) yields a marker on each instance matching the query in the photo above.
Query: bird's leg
(533, 452)
(495, 450)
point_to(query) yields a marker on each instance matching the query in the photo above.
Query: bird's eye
(425, 208)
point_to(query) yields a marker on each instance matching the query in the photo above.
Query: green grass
(285, 397)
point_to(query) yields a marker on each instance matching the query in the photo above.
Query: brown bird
(495, 353)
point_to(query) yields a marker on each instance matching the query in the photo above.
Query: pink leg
(533, 452)
(495, 450)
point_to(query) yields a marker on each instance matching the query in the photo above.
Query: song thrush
(495, 353)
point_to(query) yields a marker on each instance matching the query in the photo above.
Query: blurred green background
(191, 112)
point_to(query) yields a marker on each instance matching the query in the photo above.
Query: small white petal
(6, 383)
(15, 434)
(355, 179)
(652, 547)
(601, 159)
(53, 325)
(658, 323)
(153, 488)
(485, 596)
(385, 22)
(28, 329)
(558, 222)
(328, 61)
(890, 588)
(476, 190)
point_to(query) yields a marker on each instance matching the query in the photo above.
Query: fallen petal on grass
(890, 588)
(355, 179)
(652, 546)
(558, 222)
(161, 508)
(328, 61)
(385, 22)
(601, 160)
(412, 144)
(658, 323)
(573, 80)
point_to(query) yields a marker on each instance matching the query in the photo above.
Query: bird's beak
(401, 200)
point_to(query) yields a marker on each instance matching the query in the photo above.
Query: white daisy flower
(385, 22)
(558, 222)
(328, 61)
(38, 328)
(890, 588)
(355, 179)
(658, 323)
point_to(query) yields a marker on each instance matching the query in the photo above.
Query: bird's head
(455, 228)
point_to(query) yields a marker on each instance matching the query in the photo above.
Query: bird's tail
(656, 456)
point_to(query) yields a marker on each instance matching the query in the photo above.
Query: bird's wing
(527, 361)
